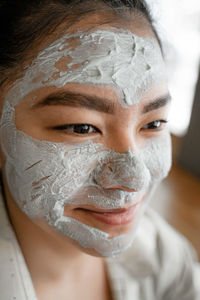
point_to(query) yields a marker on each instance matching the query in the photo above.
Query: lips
(120, 216)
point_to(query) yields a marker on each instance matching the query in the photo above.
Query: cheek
(157, 157)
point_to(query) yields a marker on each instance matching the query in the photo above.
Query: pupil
(81, 128)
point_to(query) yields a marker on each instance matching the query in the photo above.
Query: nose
(125, 171)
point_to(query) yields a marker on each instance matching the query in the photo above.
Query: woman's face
(84, 136)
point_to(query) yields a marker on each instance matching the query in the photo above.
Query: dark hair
(23, 23)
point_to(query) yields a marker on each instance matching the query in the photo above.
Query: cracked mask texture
(120, 59)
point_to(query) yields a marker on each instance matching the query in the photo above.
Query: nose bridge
(122, 137)
(122, 171)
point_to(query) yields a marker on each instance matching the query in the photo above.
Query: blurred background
(178, 197)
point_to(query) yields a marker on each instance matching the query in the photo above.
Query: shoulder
(15, 280)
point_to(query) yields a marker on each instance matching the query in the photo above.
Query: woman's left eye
(77, 128)
(155, 125)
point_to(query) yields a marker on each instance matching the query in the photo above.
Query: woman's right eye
(80, 129)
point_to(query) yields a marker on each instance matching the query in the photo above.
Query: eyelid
(73, 124)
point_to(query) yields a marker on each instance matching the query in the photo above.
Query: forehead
(113, 57)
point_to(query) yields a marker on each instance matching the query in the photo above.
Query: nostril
(110, 168)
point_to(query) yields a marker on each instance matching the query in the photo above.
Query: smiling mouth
(121, 216)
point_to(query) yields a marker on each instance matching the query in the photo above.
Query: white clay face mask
(122, 60)
(44, 177)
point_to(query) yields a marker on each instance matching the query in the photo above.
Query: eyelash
(82, 129)
(153, 126)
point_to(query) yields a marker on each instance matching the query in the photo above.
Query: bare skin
(60, 268)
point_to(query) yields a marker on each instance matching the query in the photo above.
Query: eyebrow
(78, 100)
(72, 99)
(157, 103)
